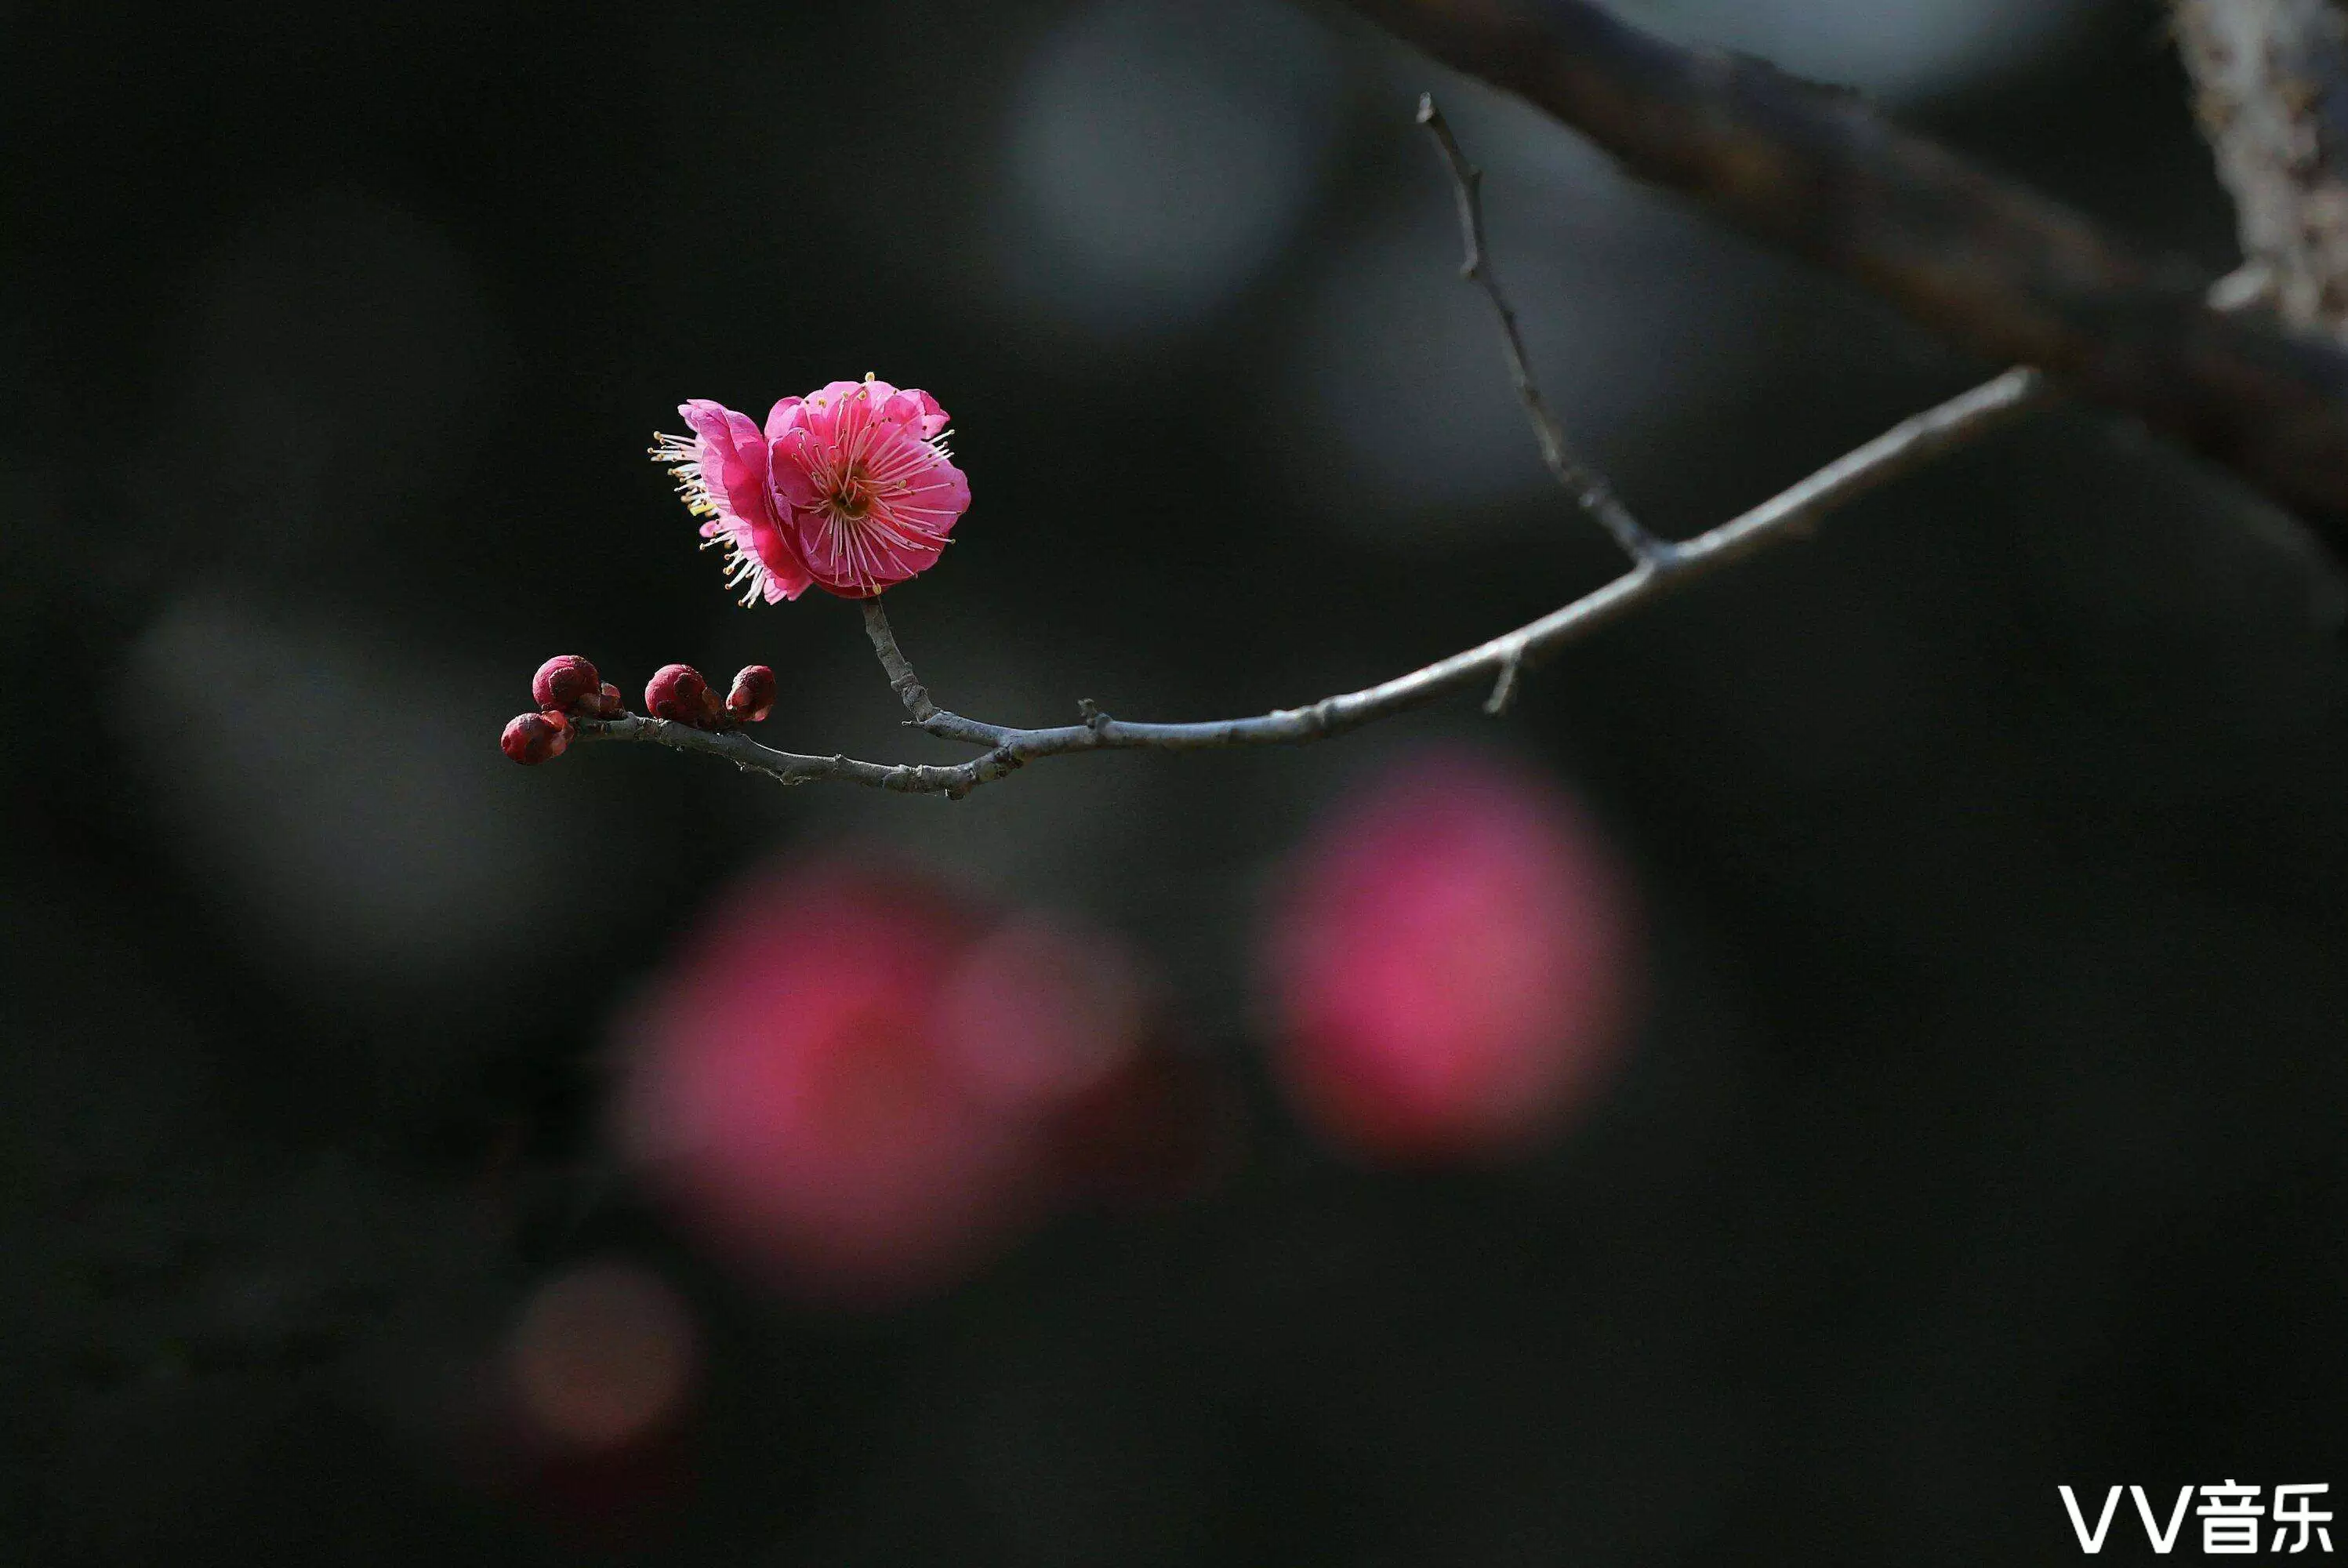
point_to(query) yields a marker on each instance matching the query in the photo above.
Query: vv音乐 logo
(2232, 1516)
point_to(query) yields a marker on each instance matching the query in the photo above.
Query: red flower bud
(677, 692)
(534, 737)
(753, 697)
(563, 682)
(608, 705)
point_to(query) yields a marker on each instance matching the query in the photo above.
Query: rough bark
(2271, 88)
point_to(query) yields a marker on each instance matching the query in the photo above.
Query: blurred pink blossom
(857, 1085)
(850, 488)
(1451, 964)
(591, 1400)
(1041, 1014)
(601, 1357)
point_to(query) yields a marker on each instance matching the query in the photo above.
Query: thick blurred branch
(1994, 267)
(1502, 660)
(2271, 88)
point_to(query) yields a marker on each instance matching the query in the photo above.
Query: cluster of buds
(567, 688)
(679, 694)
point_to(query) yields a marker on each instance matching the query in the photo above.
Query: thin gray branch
(901, 678)
(927, 715)
(1786, 517)
(1584, 483)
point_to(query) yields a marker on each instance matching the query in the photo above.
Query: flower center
(851, 495)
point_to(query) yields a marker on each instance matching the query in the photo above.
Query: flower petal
(796, 454)
(709, 420)
(779, 554)
(783, 417)
(917, 411)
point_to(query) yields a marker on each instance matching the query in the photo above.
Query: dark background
(1984, 1131)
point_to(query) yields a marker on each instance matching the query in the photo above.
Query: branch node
(1504, 689)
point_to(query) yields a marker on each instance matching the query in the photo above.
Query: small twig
(1583, 482)
(1786, 517)
(1504, 690)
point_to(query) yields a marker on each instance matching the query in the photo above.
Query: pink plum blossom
(721, 470)
(1452, 964)
(850, 488)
